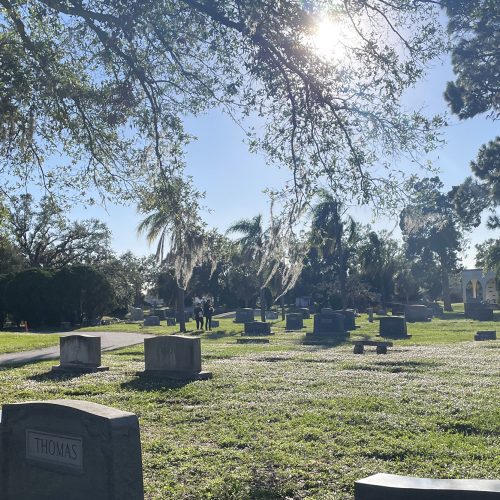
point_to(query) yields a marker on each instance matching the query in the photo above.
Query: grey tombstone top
(136, 314)
(80, 353)
(175, 357)
(69, 449)
(151, 321)
(394, 487)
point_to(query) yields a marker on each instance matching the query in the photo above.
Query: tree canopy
(94, 94)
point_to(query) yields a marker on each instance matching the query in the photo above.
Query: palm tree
(334, 236)
(172, 219)
(251, 246)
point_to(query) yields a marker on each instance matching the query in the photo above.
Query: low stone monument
(397, 309)
(65, 449)
(436, 309)
(160, 313)
(244, 315)
(416, 313)
(349, 318)
(328, 326)
(294, 321)
(80, 353)
(257, 328)
(486, 335)
(393, 327)
(306, 314)
(271, 315)
(215, 323)
(171, 321)
(478, 311)
(174, 356)
(393, 487)
(151, 321)
(136, 314)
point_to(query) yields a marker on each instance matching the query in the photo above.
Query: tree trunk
(445, 282)
(282, 303)
(180, 309)
(263, 304)
(342, 279)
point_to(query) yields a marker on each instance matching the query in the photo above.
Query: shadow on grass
(219, 334)
(324, 342)
(55, 376)
(393, 366)
(127, 353)
(147, 384)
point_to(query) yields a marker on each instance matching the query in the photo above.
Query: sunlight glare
(329, 39)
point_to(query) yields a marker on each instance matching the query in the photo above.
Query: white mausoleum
(479, 287)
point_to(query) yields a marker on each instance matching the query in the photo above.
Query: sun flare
(330, 39)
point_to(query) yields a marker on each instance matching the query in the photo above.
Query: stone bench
(359, 346)
(393, 487)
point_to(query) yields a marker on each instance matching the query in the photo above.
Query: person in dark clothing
(198, 316)
(208, 311)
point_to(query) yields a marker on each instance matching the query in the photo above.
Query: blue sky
(234, 179)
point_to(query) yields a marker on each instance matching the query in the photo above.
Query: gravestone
(397, 309)
(478, 311)
(328, 325)
(257, 328)
(294, 321)
(381, 311)
(271, 315)
(436, 309)
(174, 356)
(483, 314)
(393, 487)
(171, 322)
(486, 335)
(65, 449)
(80, 353)
(370, 314)
(349, 318)
(215, 323)
(244, 315)
(306, 314)
(393, 327)
(151, 321)
(136, 314)
(416, 313)
(160, 313)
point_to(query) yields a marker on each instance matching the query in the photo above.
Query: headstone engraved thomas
(71, 450)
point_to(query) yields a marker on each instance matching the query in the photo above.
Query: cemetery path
(109, 342)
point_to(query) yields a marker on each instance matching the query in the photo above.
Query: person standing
(208, 312)
(198, 316)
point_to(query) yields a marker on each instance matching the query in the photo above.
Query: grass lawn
(15, 342)
(287, 420)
